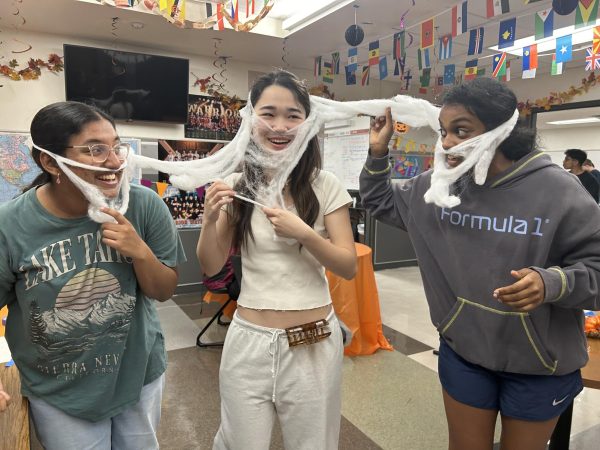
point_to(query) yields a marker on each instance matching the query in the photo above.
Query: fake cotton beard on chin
(94, 196)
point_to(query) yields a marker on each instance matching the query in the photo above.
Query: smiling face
(279, 112)
(457, 124)
(97, 132)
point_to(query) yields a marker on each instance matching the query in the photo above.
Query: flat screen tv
(128, 86)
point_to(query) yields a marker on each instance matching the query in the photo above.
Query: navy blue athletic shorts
(525, 397)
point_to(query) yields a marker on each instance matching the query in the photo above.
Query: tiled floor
(398, 405)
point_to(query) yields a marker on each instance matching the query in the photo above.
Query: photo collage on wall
(186, 207)
(211, 118)
(411, 150)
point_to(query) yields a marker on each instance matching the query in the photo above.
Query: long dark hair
(54, 125)
(301, 177)
(493, 103)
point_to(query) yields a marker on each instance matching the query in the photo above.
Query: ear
(49, 164)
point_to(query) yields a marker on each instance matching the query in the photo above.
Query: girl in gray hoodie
(506, 273)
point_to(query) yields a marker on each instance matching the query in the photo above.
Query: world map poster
(17, 167)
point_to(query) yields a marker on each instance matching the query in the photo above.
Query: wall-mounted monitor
(128, 86)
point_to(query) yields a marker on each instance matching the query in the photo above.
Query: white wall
(555, 142)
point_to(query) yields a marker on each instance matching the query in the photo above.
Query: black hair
(54, 125)
(588, 162)
(493, 104)
(577, 154)
(301, 177)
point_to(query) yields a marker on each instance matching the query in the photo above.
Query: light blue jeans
(134, 428)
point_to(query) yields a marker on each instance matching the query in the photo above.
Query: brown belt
(308, 333)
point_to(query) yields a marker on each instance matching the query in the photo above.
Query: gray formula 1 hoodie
(534, 215)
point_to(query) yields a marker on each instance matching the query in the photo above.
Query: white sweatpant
(261, 376)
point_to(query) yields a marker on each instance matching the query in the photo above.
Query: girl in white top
(284, 255)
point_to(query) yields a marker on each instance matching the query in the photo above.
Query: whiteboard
(345, 150)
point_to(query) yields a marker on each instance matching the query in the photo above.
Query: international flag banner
(449, 71)
(507, 32)
(374, 53)
(445, 50)
(586, 13)
(399, 45)
(352, 59)
(220, 25)
(364, 80)
(528, 74)
(350, 76)
(471, 69)
(530, 57)
(423, 58)
(481, 71)
(564, 48)
(499, 65)
(440, 81)
(423, 90)
(596, 40)
(475, 41)
(383, 68)
(399, 66)
(427, 33)
(459, 19)
(425, 77)
(557, 67)
(335, 62)
(317, 71)
(327, 72)
(407, 77)
(592, 60)
(506, 76)
(544, 24)
(497, 7)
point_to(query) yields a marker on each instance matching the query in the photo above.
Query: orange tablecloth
(356, 303)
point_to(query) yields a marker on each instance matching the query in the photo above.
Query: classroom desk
(356, 303)
(591, 379)
(14, 422)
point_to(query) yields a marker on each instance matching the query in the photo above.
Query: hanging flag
(209, 9)
(422, 90)
(587, 11)
(557, 67)
(364, 81)
(592, 60)
(459, 19)
(373, 53)
(399, 66)
(350, 76)
(596, 41)
(507, 32)
(407, 77)
(383, 68)
(506, 76)
(497, 7)
(440, 81)
(544, 24)
(445, 50)
(471, 69)
(327, 72)
(399, 48)
(425, 77)
(481, 71)
(427, 33)
(352, 59)
(498, 65)
(317, 71)
(530, 57)
(220, 25)
(564, 48)
(449, 71)
(335, 62)
(423, 58)
(528, 74)
(475, 41)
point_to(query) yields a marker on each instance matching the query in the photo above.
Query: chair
(232, 289)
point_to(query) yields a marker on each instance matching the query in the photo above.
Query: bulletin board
(345, 150)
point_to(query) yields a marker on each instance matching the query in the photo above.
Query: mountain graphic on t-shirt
(89, 307)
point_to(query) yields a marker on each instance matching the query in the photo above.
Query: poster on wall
(408, 166)
(186, 207)
(17, 167)
(210, 118)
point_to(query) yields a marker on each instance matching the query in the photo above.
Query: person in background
(589, 167)
(507, 271)
(270, 366)
(82, 326)
(573, 162)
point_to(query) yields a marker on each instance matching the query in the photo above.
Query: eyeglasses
(100, 152)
